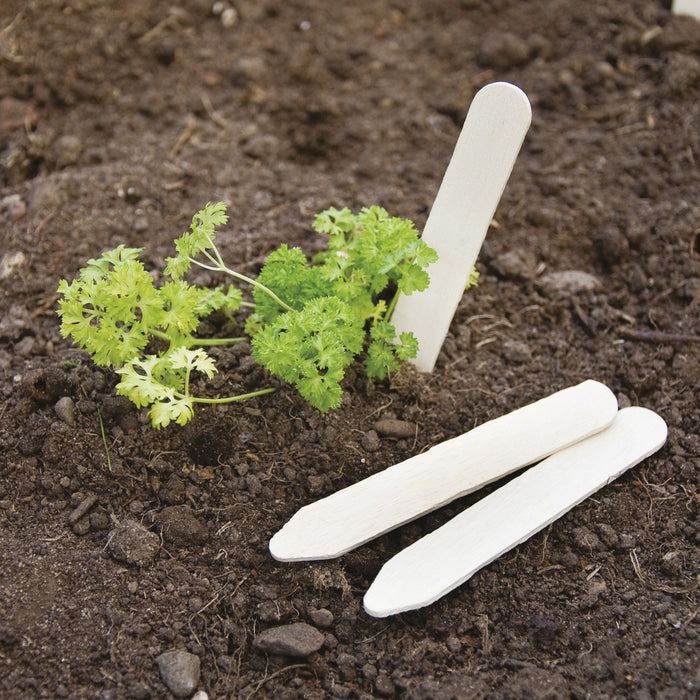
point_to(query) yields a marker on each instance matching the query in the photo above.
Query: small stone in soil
(65, 410)
(392, 427)
(384, 685)
(612, 245)
(132, 543)
(370, 441)
(516, 352)
(321, 618)
(516, 264)
(179, 671)
(568, 282)
(502, 50)
(297, 639)
(180, 526)
(585, 540)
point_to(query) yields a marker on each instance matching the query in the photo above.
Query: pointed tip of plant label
(294, 542)
(285, 546)
(447, 557)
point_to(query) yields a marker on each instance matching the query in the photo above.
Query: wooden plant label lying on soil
(354, 515)
(476, 176)
(446, 558)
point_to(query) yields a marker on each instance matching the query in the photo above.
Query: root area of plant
(120, 543)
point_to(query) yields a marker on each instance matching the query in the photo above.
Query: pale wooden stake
(439, 562)
(383, 501)
(476, 176)
(687, 7)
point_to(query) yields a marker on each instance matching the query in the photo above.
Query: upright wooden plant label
(476, 176)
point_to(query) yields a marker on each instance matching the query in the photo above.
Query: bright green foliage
(108, 310)
(114, 311)
(199, 239)
(371, 257)
(163, 383)
(311, 348)
(312, 319)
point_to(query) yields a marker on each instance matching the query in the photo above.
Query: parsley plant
(311, 319)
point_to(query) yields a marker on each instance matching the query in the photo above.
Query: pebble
(568, 281)
(298, 639)
(229, 17)
(67, 150)
(392, 427)
(321, 618)
(11, 262)
(25, 347)
(180, 526)
(200, 695)
(131, 543)
(370, 441)
(15, 206)
(317, 483)
(245, 68)
(65, 410)
(585, 540)
(516, 264)
(516, 352)
(612, 245)
(384, 685)
(179, 671)
(502, 50)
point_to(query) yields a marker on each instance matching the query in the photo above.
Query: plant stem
(222, 268)
(159, 334)
(391, 307)
(187, 382)
(231, 399)
(218, 341)
(200, 341)
(104, 440)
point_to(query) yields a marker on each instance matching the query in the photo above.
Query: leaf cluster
(341, 301)
(115, 312)
(311, 320)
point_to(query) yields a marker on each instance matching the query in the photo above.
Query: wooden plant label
(439, 562)
(687, 7)
(354, 515)
(476, 176)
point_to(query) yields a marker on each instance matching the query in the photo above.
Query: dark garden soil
(119, 120)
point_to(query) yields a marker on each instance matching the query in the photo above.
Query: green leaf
(414, 279)
(173, 408)
(288, 274)
(334, 222)
(381, 360)
(311, 348)
(185, 358)
(199, 238)
(181, 304)
(383, 331)
(408, 346)
(139, 382)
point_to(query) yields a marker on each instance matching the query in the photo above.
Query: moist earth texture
(134, 561)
